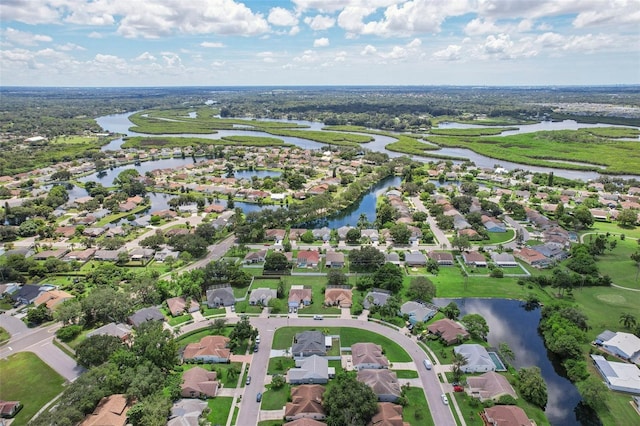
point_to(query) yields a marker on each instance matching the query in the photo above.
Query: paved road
(440, 237)
(250, 409)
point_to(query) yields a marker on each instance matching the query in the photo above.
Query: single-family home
(418, 311)
(178, 305)
(624, 345)
(28, 293)
(311, 370)
(107, 255)
(306, 403)
(477, 358)
(262, 296)
(506, 415)
(306, 422)
(55, 253)
(276, 235)
(80, 255)
(376, 297)
(448, 330)
(162, 255)
(255, 257)
(619, 376)
(492, 224)
(141, 254)
(323, 234)
(119, 330)
(145, 314)
(383, 382)
(186, 412)
(388, 414)
(342, 232)
(533, 257)
(371, 234)
(218, 296)
(504, 260)
(199, 383)
(9, 409)
(111, 410)
(474, 258)
(442, 258)
(415, 258)
(334, 259)
(299, 296)
(490, 385)
(338, 296)
(309, 343)
(368, 355)
(392, 257)
(308, 259)
(52, 298)
(210, 349)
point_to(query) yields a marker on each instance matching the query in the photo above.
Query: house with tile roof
(111, 410)
(490, 385)
(178, 305)
(368, 356)
(306, 402)
(448, 330)
(199, 383)
(210, 349)
(383, 382)
(506, 415)
(388, 414)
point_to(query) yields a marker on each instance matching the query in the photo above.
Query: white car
(445, 401)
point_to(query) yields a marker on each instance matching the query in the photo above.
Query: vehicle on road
(259, 397)
(317, 317)
(258, 338)
(445, 401)
(458, 388)
(255, 348)
(248, 382)
(427, 364)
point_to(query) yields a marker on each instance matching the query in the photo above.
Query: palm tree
(457, 362)
(628, 320)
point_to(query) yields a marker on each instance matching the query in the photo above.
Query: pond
(510, 322)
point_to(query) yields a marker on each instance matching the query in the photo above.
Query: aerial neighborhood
(244, 283)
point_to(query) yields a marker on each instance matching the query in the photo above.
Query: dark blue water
(510, 322)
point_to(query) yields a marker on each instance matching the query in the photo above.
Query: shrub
(506, 400)
(68, 333)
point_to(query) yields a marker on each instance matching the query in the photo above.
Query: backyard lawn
(20, 376)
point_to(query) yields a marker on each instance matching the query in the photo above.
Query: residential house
(186, 412)
(448, 330)
(306, 402)
(210, 349)
(418, 311)
(311, 370)
(334, 259)
(55, 253)
(199, 383)
(120, 330)
(492, 224)
(309, 343)
(306, 422)
(276, 235)
(295, 233)
(28, 293)
(141, 254)
(506, 415)
(552, 251)
(218, 296)
(371, 234)
(442, 258)
(477, 357)
(504, 260)
(490, 385)
(470, 233)
(323, 234)
(388, 415)
(342, 232)
(337, 296)
(299, 296)
(533, 257)
(619, 376)
(308, 259)
(107, 255)
(255, 257)
(624, 345)
(262, 296)
(415, 258)
(111, 410)
(178, 305)
(52, 298)
(459, 222)
(376, 297)
(9, 409)
(368, 355)
(80, 255)
(383, 382)
(392, 257)
(474, 258)
(162, 255)
(146, 314)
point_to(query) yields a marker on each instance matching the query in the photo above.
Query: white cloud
(308, 56)
(321, 42)
(320, 22)
(415, 43)
(282, 17)
(95, 34)
(341, 56)
(30, 12)
(450, 53)
(24, 38)
(146, 56)
(294, 30)
(212, 44)
(480, 26)
(619, 12)
(368, 50)
(69, 47)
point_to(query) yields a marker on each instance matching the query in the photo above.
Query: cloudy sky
(318, 42)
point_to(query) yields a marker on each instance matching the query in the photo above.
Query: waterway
(510, 322)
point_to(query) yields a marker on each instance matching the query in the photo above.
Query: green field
(20, 375)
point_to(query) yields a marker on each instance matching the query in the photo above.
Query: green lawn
(270, 423)
(496, 238)
(173, 321)
(20, 375)
(416, 411)
(275, 399)
(406, 374)
(618, 264)
(220, 408)
(4, 335)
(280, 365)
(619, 410)
(603, 306)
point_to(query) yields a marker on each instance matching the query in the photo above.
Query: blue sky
(318, 42)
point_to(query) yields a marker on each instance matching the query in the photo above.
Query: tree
(400, 233)
(451, 311)
(388, 277)
(506, 352)
(155, 344)
(276, 262)
(476, 325)
(349, 402)
(96, 350)
(582, 217)
(353, 236)
(151, 410)
(421, 288)
(636, 258)
(366, 258)
(628, 320)
(68, 312)
(458, 361)
(336, 277)
(627, 218)
(594, 392)
(532, 386)
(278, 381)
(461, 242)
(39, 315)
(218, 325)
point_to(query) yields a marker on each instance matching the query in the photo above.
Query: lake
(510, 322)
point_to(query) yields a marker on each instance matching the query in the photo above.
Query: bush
(68, 333)
(506, 400)
(497, 273)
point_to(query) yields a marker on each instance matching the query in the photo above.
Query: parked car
(259, 397)
(427, 364)
(317, 317)
(248, 382)
(258, 338)
(255, 348)
(458, 388)
(445, 401)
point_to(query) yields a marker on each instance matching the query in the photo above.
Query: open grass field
(220, 408)
(20, 376)
(496, 238)
(604, 305)
(618, 264)
(280, 365)
(549, 147)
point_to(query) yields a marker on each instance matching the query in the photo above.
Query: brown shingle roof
(111, 410)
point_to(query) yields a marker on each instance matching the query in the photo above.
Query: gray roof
(415, 258)
(418, 311)
(309, 343)
(220, 296)
(262, 295)
(146, 314)
(379, 298)
(112, 329)
(606, 335)
(185, 412)
(476, 355)
(315, 367)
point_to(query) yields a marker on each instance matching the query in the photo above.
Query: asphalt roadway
(250, 408)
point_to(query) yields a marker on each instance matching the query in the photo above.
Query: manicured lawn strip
(275, 399)
(619, 410)
(173, 321)
(406, 374)
(4, 335)
(213, 311)
(26, 378)
(416, 411)
(220, 408)
(280, 365)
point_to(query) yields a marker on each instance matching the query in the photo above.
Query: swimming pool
(496, 360)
